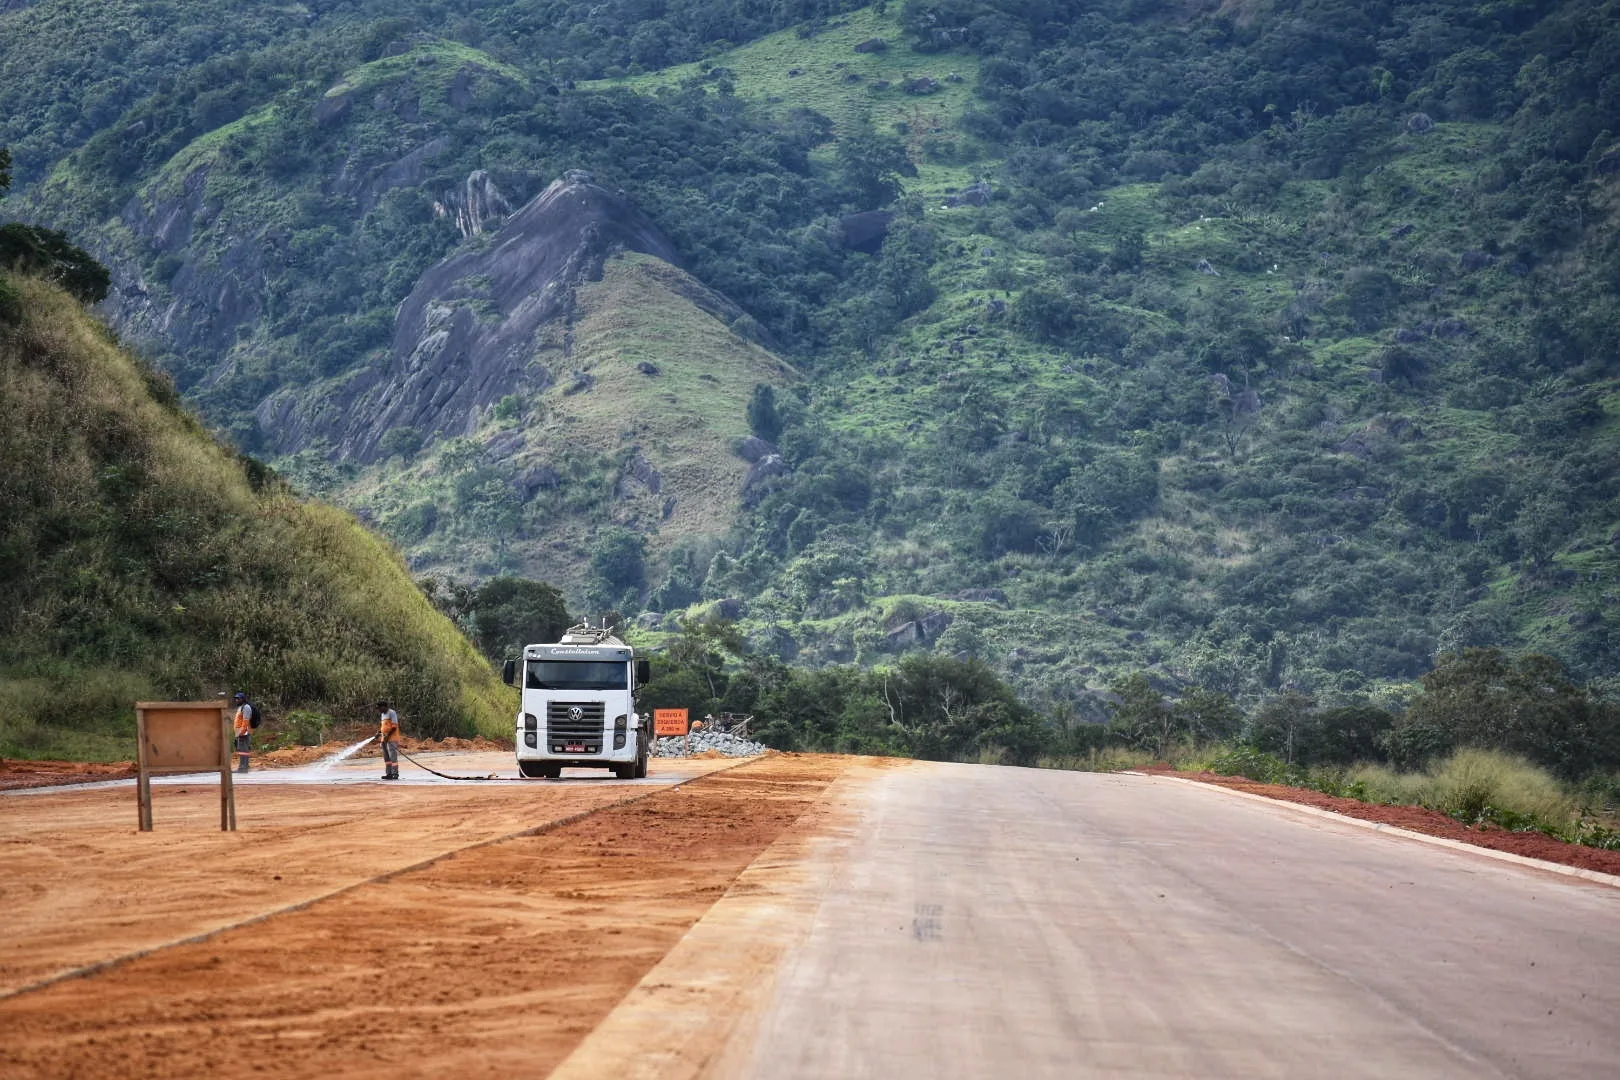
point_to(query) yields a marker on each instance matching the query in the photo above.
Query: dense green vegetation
(947, 708)
(1275, 362)
(140, 559)
(1243, 358)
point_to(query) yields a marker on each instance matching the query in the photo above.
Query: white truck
(579, 705)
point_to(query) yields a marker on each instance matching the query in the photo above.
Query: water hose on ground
(436, 772)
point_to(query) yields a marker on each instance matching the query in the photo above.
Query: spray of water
(327, 762)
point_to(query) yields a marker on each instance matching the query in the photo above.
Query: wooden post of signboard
(183, 737)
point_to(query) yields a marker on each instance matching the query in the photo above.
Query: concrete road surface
(988, 922)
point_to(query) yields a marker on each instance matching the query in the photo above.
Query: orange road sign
(669, 721)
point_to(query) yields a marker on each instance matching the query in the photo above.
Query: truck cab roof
(618, 650)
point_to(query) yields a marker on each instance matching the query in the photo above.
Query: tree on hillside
(1284, 725)
(1207, 715)
(872, 165)
(948, 709)
(509, 613)
(1142, 714)
(703, 649)
(1522, 705)
(618, 569)
(1346, 734)
(691, 671)
(763, 419)
(31, 249)
(453, 599)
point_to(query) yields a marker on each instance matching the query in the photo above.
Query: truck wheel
(641, 767)
(532, 769)
(624, 772)
(551, 770)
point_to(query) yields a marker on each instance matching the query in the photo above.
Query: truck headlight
(618, 732)
(531, 739)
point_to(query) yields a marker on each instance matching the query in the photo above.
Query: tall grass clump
(1477, 787)
(141, 558)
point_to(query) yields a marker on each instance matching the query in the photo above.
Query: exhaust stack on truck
(578, 707)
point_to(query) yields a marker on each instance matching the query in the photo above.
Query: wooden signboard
(183, 737)
(669, 721)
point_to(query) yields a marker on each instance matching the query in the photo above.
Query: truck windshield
(577, 675)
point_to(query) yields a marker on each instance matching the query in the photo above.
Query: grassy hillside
(816, 66)
(140, 559)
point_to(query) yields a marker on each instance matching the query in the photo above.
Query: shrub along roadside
(1476, 787)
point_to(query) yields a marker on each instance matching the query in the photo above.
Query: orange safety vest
(244, 726)
(388, 728)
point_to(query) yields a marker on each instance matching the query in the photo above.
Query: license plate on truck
(575, 748)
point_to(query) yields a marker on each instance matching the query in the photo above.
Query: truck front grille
(563, 728)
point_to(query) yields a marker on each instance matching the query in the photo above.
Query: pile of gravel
(725, 742)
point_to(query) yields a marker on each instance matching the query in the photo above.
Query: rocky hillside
(469, 333)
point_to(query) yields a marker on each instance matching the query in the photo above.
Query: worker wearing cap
(242, 725)
(388, 735)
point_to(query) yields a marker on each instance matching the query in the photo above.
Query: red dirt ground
(494, 961)
(1532, 845)
(15, 773)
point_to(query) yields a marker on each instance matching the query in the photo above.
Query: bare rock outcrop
(207, 302)
(466, 335)
(476, 206)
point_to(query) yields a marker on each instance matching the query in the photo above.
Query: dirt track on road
(493, 961)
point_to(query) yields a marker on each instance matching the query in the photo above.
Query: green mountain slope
(140, 559)
(1301, 408)
(1264, 345)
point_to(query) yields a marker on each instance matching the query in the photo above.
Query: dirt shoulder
(495, 962)
(1532, 845)
(79, 884)
(18, 773)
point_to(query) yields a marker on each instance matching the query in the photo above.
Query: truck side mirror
(643, 672)
(509, 672)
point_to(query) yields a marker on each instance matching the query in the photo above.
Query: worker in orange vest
(388, 735)
(242, 726)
